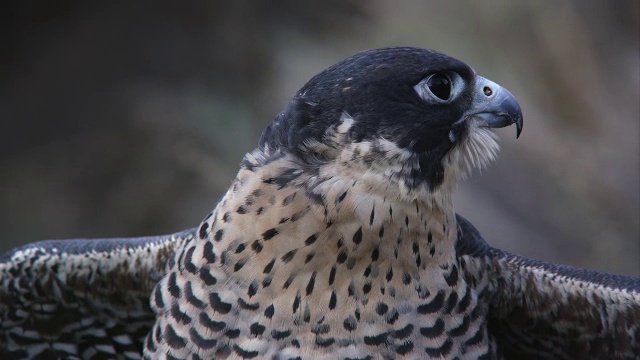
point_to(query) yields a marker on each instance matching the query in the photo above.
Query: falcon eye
(439, 84)
(440, 87)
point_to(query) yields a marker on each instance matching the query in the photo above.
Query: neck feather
(327, 220)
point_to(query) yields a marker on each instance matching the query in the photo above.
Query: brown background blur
(121, 118)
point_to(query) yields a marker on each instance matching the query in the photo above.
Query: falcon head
(407, 116)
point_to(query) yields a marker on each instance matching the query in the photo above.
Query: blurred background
(125, 118)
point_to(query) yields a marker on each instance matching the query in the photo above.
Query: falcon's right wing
(540, 310)
(81, 298)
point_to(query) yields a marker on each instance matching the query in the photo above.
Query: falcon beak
(495, 107)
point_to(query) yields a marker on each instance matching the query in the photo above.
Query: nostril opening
(487, 91)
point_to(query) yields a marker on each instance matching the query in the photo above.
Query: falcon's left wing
(540, 310)
(82, 298)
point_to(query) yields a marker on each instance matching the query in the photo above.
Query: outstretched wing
(540, 310)
(82, 298)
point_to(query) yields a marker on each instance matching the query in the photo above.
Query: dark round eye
(440, 86)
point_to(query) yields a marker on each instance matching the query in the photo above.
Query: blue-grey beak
(495, 107)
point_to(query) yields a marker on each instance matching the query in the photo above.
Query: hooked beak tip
(519, 124)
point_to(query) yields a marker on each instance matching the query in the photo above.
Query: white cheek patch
(346, 121)
(334, 138)
(394, 152)
(380, 164)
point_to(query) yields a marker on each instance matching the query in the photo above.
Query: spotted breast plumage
(338, 239)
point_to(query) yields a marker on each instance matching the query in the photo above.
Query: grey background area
(124, 118)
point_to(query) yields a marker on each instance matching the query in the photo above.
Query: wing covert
(81, 298)
(541, 310)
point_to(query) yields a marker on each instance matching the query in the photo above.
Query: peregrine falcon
(338, 239)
